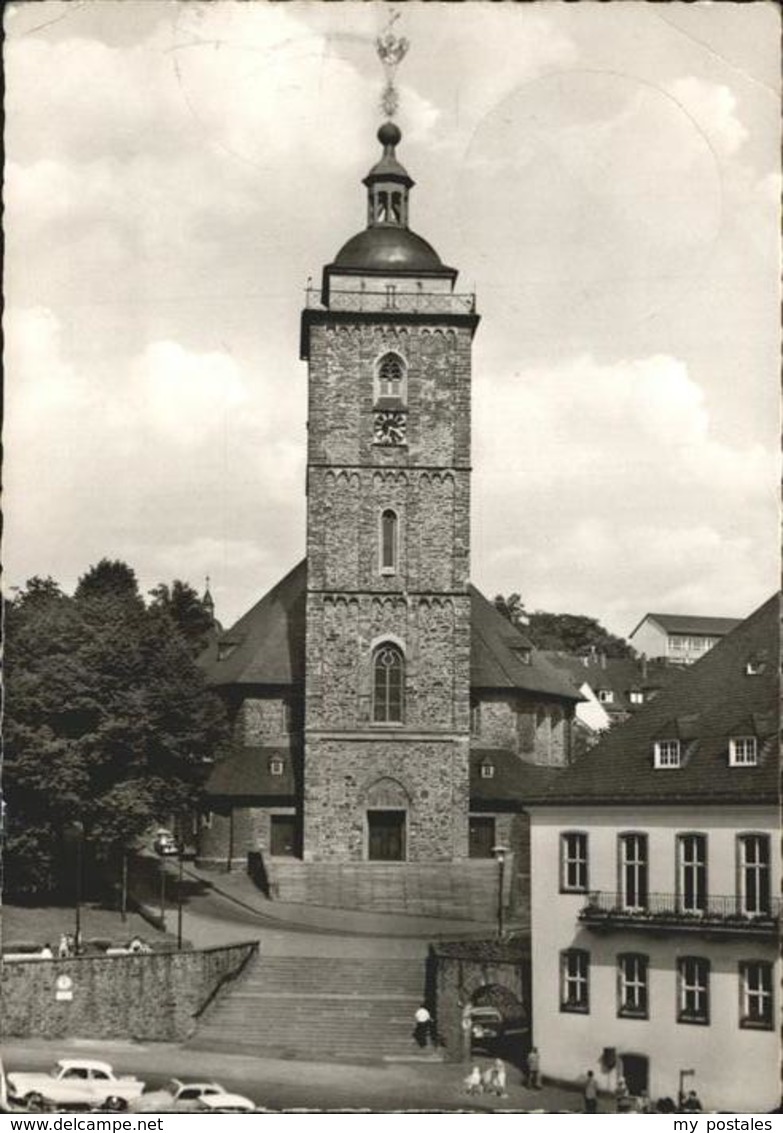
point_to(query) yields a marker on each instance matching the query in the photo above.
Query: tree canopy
(183, 605)
(566, 633)
(107, 720)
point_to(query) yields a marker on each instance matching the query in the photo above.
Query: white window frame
(574, 863)
(693, 983)
(605, 696)
(633, 988)
(487, 770)
(692, 872)
(756, 995)
(276, 765)
(636, 697)
(754, 881)
(633, 860)
(668, 754)
(575, 977)
(743, 751)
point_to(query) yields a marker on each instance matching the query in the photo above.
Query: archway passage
(386, 835)
(499, 1023)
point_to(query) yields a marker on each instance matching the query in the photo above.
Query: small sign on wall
(63, 988)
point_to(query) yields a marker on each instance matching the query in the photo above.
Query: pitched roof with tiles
(247, 773)
(620, 675)
(714, 700)
(267, 646)
(691, 623)
(502, 658)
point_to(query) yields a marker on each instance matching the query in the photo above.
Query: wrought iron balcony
(418, 302)
(668, 912)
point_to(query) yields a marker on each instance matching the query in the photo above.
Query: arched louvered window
(391, 377)
(389, 535)
(388, 684)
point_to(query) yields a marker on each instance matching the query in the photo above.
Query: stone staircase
(457, 890)
(319, 1008)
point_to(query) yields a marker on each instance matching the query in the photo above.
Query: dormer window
(667, 753)
(754, 666)
(523, 654)
(605, 696)
(225, 649)
(635, 696)
(743, 751)
(487, 769)
(276, 765)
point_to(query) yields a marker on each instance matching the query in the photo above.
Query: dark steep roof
(497, 649)
(266, 647)
(712, 701)
(691, 623)
(621, 675)
(245, 774)
(514, 780)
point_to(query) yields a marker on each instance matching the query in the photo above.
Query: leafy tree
(567, 633)
(109, 579)
(183, 605)
(107, 721)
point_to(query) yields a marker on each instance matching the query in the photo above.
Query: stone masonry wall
(251, 834)
(536, 731)
(149, 998)
(431, 776)
(264, 720)
(434, 634)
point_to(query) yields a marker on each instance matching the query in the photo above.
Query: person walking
(622, 1096)
(423, 1028)
(590, 1093)
(533, 1067)
(473, 1081)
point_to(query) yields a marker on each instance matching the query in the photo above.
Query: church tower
(387, 682)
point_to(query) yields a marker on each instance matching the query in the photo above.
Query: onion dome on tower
(387, 244)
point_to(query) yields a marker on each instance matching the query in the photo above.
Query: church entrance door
(386, 835)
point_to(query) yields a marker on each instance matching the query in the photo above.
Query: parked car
(493, 1031)
(165, 844)
(192, 1097)
(74, 1083)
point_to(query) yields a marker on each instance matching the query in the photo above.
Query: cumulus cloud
(614, 469)
(714, 107)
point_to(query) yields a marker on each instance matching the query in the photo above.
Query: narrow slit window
(389, 537)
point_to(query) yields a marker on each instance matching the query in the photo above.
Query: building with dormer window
(655, 895)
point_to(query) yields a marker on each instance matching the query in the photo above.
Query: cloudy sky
(606, 176)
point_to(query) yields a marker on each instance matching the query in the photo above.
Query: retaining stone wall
(153, 998)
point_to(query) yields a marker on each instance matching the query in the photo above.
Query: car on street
(165, 844)
(193, 1097)
(74, 1083)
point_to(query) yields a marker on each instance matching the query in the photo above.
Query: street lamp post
(179, 903)
(74, 834)
(499, 853)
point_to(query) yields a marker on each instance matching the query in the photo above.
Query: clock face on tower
(389, 427)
